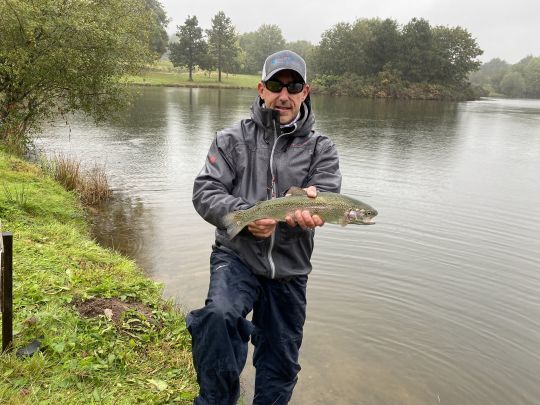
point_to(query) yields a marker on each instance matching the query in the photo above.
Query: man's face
(287, 104)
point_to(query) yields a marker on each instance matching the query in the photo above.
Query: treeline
(499, 78)
(369, 57)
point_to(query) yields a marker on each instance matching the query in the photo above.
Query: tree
(58, 56)
(306, 50)
(382, 45)
(454, 55)
(222, 41)
(362, 34)
(531, 74)
(335, 50)
(159, 38)
(522, 64)
(302, 48)
(416, 55)
(490, 74)
(246, 41)
(513, 84)
(191, 48)
(259, 44)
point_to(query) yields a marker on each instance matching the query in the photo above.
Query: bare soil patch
(112, 308)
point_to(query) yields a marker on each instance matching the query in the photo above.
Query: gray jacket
(253, 161)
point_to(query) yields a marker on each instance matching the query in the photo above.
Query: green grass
(57, 265)
(164, 74)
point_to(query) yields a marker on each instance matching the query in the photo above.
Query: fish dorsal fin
(296, 191)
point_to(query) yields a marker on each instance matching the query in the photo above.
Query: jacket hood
(266, 117)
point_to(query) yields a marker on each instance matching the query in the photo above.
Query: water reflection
(437, 303)
(122, 224)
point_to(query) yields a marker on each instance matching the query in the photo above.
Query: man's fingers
(311, 191)
(264, 222)
(318, 220)
(304, 219)
(290, 221)
(308, 219)
(262, 228)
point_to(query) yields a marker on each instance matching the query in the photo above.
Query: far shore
(164, 74)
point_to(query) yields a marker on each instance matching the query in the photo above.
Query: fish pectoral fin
(296, 191)
(344, 222)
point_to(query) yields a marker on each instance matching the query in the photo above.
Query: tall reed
(90, 184)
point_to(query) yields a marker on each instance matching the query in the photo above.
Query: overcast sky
(509, 30)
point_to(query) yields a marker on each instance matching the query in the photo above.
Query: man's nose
(284, 93)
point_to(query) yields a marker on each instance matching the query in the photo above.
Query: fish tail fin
(234, 223)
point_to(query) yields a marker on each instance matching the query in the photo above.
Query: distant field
(164, 74)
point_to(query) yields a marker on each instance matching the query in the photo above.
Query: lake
(439, 302)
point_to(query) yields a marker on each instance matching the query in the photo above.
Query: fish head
(361, 215)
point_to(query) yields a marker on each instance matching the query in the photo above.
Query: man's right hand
(262, 228)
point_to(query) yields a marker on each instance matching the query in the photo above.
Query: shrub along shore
(106, 334)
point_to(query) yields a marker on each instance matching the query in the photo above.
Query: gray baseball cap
(284, 60)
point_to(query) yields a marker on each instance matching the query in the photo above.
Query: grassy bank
(164, 74)
(107, 336)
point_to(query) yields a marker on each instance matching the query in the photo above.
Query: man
(264, 268)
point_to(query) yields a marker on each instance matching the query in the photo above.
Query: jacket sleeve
(324, 171)
(212, 189)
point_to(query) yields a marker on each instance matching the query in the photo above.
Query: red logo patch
(212, 159)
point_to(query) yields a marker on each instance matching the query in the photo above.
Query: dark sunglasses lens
(295, 88)
(275, 86)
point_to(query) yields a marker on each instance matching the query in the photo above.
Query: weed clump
(90, 184)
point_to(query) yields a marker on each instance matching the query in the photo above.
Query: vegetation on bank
(106, 334)
(390, 85)
(498, 78)
(89, 184)
(384, 85)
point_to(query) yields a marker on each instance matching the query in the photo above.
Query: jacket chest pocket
(293, 167)
(251, 166)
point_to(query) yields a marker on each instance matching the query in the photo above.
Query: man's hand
(304, 218)
(262, 228)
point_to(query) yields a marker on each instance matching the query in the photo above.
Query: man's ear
(306, 91)
(260, 89)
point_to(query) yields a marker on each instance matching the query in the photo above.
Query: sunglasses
(275, 86)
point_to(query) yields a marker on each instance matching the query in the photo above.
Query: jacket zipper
(274, 195)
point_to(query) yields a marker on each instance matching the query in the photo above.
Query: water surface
(437, 303)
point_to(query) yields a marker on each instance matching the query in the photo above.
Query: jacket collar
(267, 118)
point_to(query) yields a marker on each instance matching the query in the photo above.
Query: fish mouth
(368, 221)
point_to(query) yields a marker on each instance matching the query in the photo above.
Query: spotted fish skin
(332, 208)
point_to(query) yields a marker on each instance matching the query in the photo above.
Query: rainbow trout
(333, 208)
